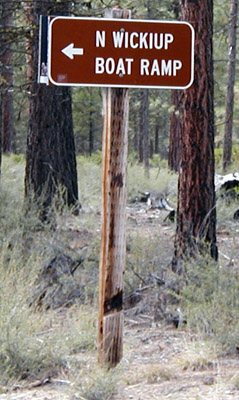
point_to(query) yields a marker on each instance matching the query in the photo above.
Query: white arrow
(70, 51)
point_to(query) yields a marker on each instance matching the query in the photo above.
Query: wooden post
(113, 242)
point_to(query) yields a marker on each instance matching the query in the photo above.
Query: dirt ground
(159, 355)
(160, 362)
(153, 367)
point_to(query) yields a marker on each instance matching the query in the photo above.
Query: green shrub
(210, 299)
(32, 342)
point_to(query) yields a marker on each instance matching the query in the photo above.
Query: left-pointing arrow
(71, 51)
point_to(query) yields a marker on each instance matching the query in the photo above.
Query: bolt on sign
(120, 53)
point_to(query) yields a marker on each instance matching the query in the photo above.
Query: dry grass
(60, 345)
(198, 356)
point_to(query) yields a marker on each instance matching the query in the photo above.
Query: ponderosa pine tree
(232, 40)
(50, 160)
(0, 132)
(196, 212)
(144, 130)
(6, 62)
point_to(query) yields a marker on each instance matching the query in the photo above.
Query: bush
(97, 384)
(210, 299)
(32, 342)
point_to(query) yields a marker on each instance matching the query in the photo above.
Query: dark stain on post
(112, 228)
(117, 181)
(114, 304)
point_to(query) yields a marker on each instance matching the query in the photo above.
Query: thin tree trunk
(227, 149)
(156, 139)
(144, 129)
(141, 152)
(1, 48)
(196, 213)
(136, 133)
(91, 133)
(0, 132)
(7, 78)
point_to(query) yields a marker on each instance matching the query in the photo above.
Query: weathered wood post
(113, 241)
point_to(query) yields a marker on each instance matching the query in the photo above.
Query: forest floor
(160, 362)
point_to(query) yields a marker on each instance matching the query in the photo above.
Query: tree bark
(6, 59)
(227, 148)
(156, 138)
(0, 132)
(50, 158)
(136, 138)
(144, 129)
(91, 132)
(1, 47)
(196, 212)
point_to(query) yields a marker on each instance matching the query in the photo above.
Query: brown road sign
(120, 53)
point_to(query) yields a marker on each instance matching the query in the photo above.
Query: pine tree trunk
(1, 49)
(144, 129)
(50, 161)
(156, 138)
(7, 77)
(0, 132)
(227, 149)
(91, 132)
(136, 133)
(196, 213)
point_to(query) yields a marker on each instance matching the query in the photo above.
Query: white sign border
(120, 86)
